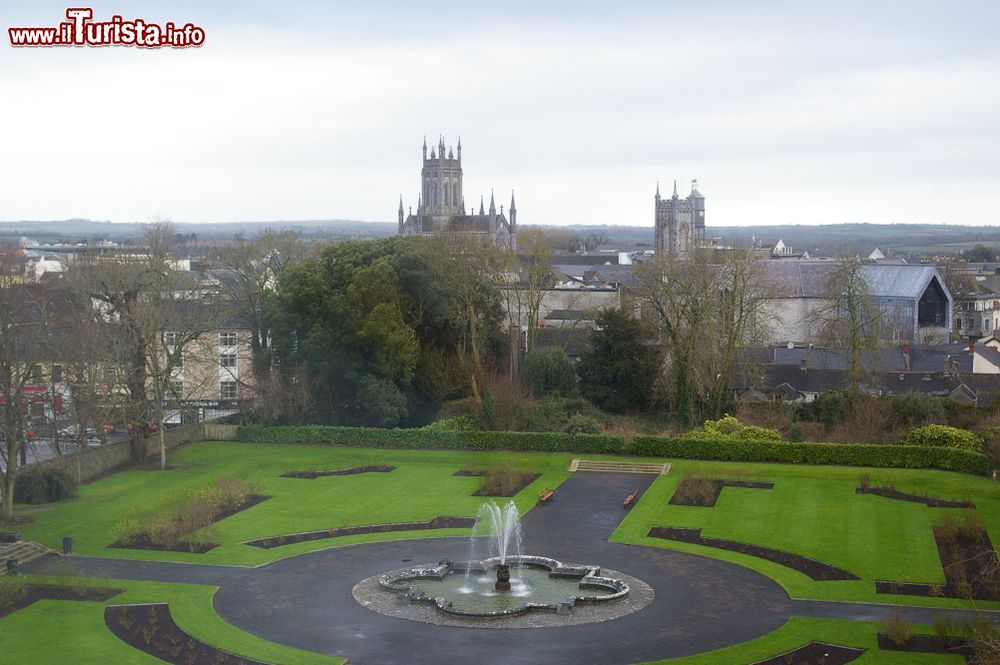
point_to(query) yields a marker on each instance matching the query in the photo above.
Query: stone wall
(97, 461)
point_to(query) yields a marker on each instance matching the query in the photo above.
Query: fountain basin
(467, 588)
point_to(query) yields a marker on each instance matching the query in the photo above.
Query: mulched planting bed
(704, 492)
(815, 652)
(311, 475)
(969, 559)
(150, 628)
(817, 570)
(519, 484)
(143, 542)
(59, 592)
(439, 522)
(931, 501)
(929, 644)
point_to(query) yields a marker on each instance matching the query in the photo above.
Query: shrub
(990, 437)
(548, 371)
(44, 486)
(686, 447)
(796, 432)
(12, 589)
(730, 427)
(128, 530)
(896, 629)
(581, 424)
(942, 436)
(828, 408)
(915, 409)
(728, 449)
(465, 422)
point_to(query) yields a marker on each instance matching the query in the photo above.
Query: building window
(175, 390)
(109, 375)
(170, 338)
(228, 390)
(36, 374)
(227, 339)
(227, 360)
(57, 374)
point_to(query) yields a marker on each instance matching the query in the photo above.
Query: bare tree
(708, 311)
(25, 328)
(152, 315)
(254, 265)
(851, 320)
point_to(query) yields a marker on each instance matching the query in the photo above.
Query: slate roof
(809, 279)
(574, 341)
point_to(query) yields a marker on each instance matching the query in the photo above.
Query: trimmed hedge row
(845, 454)
(373, 437)
(724, 449)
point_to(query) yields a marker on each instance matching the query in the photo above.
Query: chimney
(804, 364)
(906, 356)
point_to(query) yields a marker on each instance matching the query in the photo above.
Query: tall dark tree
(619, 371)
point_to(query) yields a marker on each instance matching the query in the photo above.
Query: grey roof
(624, 275)
(809, 279)
(923, 358)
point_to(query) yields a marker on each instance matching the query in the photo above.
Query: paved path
(701, 603)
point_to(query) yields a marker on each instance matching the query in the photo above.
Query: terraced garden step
(23, 552)
(618, 467)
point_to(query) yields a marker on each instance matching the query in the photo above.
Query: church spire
(675, 188)
(512, 211)
(459, 148)
(400, 213)
(657, 190)
(481, 205)
(493, 206)
(425, 147)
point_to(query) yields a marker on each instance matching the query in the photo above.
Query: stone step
(618, 467)
(23, 552)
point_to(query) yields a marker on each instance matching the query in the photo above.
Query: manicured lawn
(799, 631)
(814, 512)
(51, 632)
(420, 488)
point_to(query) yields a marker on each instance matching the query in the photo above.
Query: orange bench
(630, 499)
(545, 494)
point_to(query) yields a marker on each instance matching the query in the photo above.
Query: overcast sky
(785, 111)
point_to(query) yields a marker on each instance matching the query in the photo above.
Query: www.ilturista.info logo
(81, 30)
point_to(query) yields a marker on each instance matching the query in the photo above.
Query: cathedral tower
(441, 181)
(680, 223)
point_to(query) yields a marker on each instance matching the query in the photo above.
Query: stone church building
(680, 223)
(441, 203)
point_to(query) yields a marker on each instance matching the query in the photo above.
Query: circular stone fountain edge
(369, 594)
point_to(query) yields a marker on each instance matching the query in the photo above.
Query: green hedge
(373, 437)
(846, 454)
(725, 449)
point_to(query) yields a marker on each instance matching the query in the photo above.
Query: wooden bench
(545, 494)
(631, 498)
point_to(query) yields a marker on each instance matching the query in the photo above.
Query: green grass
(56, 632)
(814, 512)
(421, 487)
(799, 631)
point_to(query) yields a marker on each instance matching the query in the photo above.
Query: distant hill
(893, 239)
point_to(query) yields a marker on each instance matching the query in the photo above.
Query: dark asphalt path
(701, 603)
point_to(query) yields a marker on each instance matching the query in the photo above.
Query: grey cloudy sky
(785, 111)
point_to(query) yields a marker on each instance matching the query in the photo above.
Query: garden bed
(929, 644)
(704, 492)
(439, 522)
(931, 501)
(815, 652)
(500, 482)
(150, 628)
(969, 565)
(311, 475)
(817, 570)
(143, 541)
(35, 592)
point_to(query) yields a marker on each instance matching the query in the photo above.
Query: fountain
(504, 531)
(505, 582)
